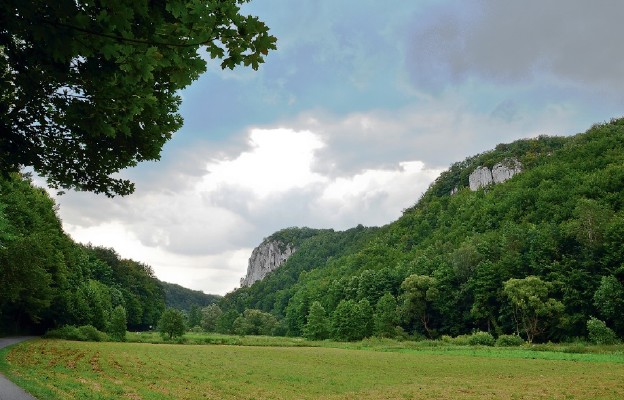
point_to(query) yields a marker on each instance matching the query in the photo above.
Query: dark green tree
(87, 89)
(385, 317)
(25, 283)
(366, 322)
(194, 316)
(254, 322)
(419, 294)
(486, 286)
(171, 324)
(351, 321)
(210, 315)
(609, 300)
(118, 324)
(225, 321)
(317, 326)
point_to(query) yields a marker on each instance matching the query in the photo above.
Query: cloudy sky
(361, 107)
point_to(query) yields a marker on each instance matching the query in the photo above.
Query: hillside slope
(184, 299)
(560, 220)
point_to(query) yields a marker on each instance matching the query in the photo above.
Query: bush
(196, 329)
(461, 340)
(67, 332)
(481, 339)
(91, 334)
(85, 333)
(400, 334)
(509, 341)
(446, 339)
(599, 332)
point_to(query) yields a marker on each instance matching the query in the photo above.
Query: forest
(537, 258)
(47, 280)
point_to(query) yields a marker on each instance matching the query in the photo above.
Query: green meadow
(270, 368)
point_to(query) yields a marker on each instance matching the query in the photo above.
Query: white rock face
(264, 259)
(482, 176)
(505, 170)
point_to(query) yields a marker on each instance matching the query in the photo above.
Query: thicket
(529, 259)
(48, 281)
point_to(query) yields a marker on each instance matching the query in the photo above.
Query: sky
(361, 107)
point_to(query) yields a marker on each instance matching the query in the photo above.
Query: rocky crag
(483, 176)
(264, 259)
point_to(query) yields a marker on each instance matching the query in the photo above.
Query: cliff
(264, 259)
(483, 176)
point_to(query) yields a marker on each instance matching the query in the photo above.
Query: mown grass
(57, 369)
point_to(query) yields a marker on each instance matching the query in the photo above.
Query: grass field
(57, 369)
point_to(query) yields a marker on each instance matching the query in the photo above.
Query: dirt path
(9, 390)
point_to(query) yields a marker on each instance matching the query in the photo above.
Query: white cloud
(215, 273)
(279, 160)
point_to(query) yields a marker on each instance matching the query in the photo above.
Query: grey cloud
(438, 133)
(506, 110)
(575, 41)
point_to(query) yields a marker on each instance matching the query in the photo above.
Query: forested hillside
(537, 255)
(184, 299)
(47, 280)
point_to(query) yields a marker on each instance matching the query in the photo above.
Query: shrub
(599, 332)
(509, 340)
(85, 333)
(446, 339)
(575, 348)
(91, 334)
(400, 334)
(481, 339)
(461, 340)
(196, 329)
(67, 332)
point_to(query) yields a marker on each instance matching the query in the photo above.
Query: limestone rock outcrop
(480, 177)
(483, 176)
(264, 259)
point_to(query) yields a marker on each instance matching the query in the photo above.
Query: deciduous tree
(210, 315)
(533, 309)
(609, 300)
(419, 294)
(317, 326)
(254, 322)
(118, 324)
(171, 323)
(385, 316)
(194, 316)
(89, 88)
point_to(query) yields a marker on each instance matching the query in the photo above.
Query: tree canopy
(89, 88)
(47, 280)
